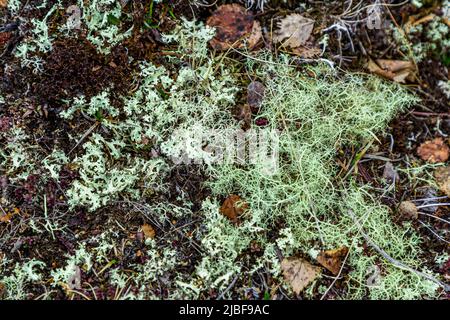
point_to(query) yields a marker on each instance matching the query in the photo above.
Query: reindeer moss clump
(300, 208)
(317, 112)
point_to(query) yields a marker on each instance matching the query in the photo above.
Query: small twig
(434, 233)
(431, 198)
(430, 114)
(433, 205)
(231, 285)
(437, 218)
(85, 135)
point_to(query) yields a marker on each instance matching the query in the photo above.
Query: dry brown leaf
(332, 259)
(5, 217)
(395, 65)
(4, 37)
(255, 95)
(307, 53)
(243, 113)
(233, 207)
(389, 173)
(234, 27)
(149, 232)
(434, 151)
(3, 3)
(2, 291)
(294, 31)
(408, 210)
(74, 281)
(442, 176)
(299, 273)
(447, 21)
(395, 70)
(255, 36)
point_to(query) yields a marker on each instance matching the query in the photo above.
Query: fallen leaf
(244, 112)
(294, 31)
(299, 273)
(233, 207)
(3, 3)
(395, 70)
(307, 53)
(255, 95)
(434, 151)
(74, 281)
(332, 259)
(149, 232)
(2, 291)
(442, 176)
(389, 173)
(235, 26)
(255, 36)
(408, 210)
(4, 37)
(5, 217)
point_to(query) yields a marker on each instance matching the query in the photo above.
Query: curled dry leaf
(3, 3)
(299, 273)
(255, 95)
(408, 210)
(332, 259)
(4, 37)
(442, 176)
(7, 216)
(389, 173)
(255, 36)
(307, 52)
(149, 232)
(244, 113)
(395, 70)
(235, 27)
(293, 31)
(233, 207)
(434, 151)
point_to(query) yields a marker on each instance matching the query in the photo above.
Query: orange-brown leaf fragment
(255, 95)
(3, 3)
(332, 259)
(2, 291)
(395, 70)
(4, 37)
(5, 217)
(442, 176)
(233, 207)
(293, 31)
(434, 151)
(233, 26)
(149, 232)
(299, 273)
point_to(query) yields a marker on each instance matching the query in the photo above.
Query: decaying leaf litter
(403, 167)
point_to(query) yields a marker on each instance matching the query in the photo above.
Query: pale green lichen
(102, 20)
(16, 284)
(39, 41)
(315, 112)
